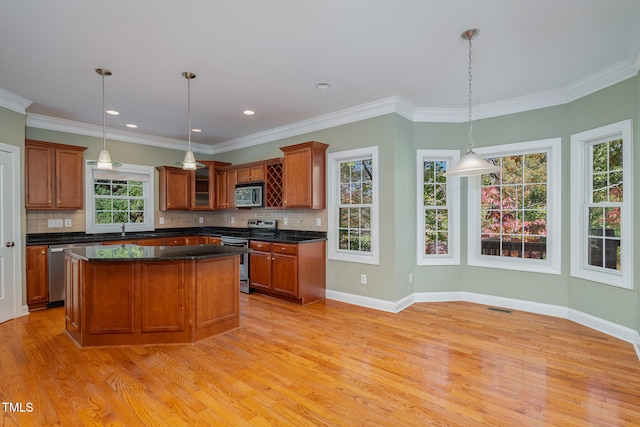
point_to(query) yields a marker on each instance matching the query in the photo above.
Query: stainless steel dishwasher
(56, 270)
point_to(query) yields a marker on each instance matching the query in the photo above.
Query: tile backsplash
(296, 219)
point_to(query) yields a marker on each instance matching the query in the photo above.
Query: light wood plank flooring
(328, 364)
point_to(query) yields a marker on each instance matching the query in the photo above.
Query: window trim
(579, 185)
(552, 265)
(332, 215)
(148, 225)
(453, 201)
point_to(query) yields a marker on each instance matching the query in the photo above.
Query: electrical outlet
(67, 222)
(363, 279)
(410, 277)
(54, 223)
(233, 220)
(161, 220)
(285, 220)
(318, 222)
(201, 220)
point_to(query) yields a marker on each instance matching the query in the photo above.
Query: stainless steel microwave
(249, 195)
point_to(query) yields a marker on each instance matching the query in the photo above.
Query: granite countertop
(281, 236)
(153, 253)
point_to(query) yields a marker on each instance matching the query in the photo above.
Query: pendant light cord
(470, 92)
(104, 119)
(189, 109)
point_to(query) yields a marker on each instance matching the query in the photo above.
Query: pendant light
(471, 164)
(104, 160)
(189, 161)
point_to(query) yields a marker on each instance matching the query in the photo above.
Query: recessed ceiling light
(196, 130)
(323, 86)
(248, 112)
(112, 112)
(131, 125)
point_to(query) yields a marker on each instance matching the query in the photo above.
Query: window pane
(356, 193)
(535, 248)
(429, 175)
(535, 196)
(615, 155)
(344, 217)
(345, 194)
(596, 221)
(365, 220)
(430, 247)
(612, 222)
(367, 170)
(354, 240)
(535, 167)
(599, 157)
(512, 169)
(365, 241)
(344, 172)
(441, 195)
(615, 186)
(441, 168)
(343, 239)
(367, 193)
(354, 218)
(442, 218)
(429, 195)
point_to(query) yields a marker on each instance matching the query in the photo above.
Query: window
(124, 195)
(601, 204)
(438, 208)
(514, 215)
(353, 205)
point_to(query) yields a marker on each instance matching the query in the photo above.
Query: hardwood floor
(328, 364)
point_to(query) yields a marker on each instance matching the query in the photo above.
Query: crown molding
(80, 128)
(14, 102)
(393, 104)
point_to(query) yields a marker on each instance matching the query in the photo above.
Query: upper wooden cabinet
(203, 186)
(226, 181)
(303, 175)
(53, 176)
(251, 173)
(173, 188)
(181, 189)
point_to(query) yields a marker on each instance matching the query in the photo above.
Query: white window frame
(451, 157)
(580, 185)
(552, 263)
(333, 194)
(148, 190)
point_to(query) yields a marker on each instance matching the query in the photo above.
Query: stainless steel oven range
(240, 242)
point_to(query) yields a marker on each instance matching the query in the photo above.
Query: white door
(10, 283)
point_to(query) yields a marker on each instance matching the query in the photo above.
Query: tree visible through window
(118, 201)
(604, 211)
(436, 209)
(356, 199)
(514, 207)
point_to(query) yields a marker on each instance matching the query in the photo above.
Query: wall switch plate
(363, 279)
(318, 222)
(233, 220)
(201, 220)
(54, 223)
(161, 220)
(285, 220)
(67, 222)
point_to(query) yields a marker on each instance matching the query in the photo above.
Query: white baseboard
(613, 329)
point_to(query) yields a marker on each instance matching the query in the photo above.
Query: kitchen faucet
(122, 234)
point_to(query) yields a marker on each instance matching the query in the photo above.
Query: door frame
(18, 308)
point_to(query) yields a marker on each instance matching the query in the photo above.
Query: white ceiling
(268, 55)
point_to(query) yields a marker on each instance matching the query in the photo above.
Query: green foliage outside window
(118, 201)
(436, 213)
(356, 199)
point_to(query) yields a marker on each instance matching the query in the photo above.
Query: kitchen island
(130, 294)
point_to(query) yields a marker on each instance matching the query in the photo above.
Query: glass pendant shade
(104, 161)
(472, 164)
(189, 161)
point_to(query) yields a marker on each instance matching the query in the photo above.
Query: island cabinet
(226, 181)
(293, 272)
(37, 277)
(53, 176)
(150, 301)
(303, 175)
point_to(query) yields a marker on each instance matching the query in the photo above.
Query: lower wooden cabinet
(37, 276)
(294, 272)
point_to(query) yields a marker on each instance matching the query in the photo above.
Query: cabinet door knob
(10, 244)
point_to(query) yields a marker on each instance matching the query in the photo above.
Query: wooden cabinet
(53, 176)
(173, 188)
(175, 241)
(251, 173)
(180, 189)
(303, 175)
(203, 186)
(157, 241)
(226, 181)
(37, 279)
(72, 308)
(294, 272)
(210, 240)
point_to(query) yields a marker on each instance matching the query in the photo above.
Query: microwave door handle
(254, 196)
